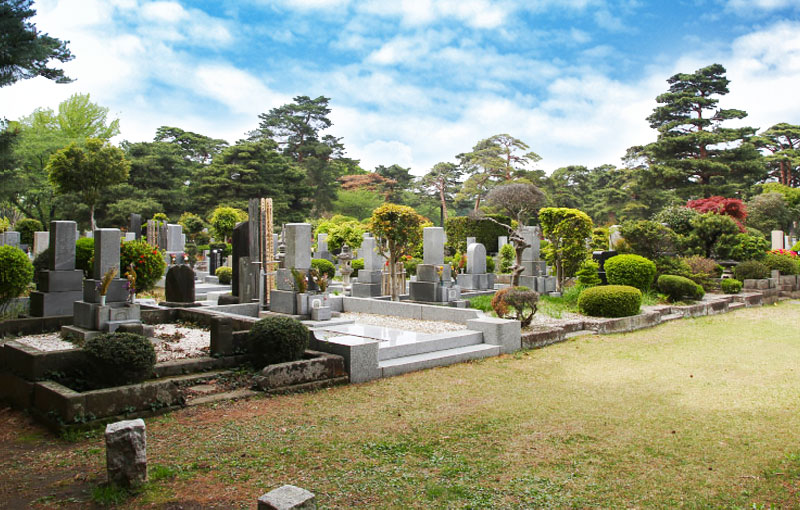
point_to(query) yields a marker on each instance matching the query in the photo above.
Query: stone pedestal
(368, 284)
(483, 281)
(61, 285)
(283, 301)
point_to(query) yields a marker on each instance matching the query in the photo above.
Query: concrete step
(429, 343)
(446, 357)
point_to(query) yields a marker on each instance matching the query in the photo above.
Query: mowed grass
(699, 413)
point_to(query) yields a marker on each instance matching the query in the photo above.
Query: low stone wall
(409, 310)
(318, 369)
(542, 337)
(605, 326)
(33, 325)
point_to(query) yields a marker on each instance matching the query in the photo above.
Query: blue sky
(415, 82)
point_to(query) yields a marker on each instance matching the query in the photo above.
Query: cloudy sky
(415, 82)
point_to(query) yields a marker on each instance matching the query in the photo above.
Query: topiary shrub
(731, 286)
(610, 301)
(277, 340)
(672, 265)
(26, 228)
(588, 274)
(485, 231)
(490, 265)
(16, 272)
(116, 359)
(84, 255)
(633, 270)
(785, 263)
(148, 263)
(324, 266)
(750, 270)
(507, 256)
(519, 303)
(679, 288)
(750, 247)
(357, 265)
(225, 275)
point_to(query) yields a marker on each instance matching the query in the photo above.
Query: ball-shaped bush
(731, 286)
(148, 263)
(610, 301)
(225, 275)
(357, 265)
(632, 270)
(117, 359)
(277, 340)
(786, 264)
(26, 228)
(324, 266)
(16, 272)
(84, 255)
(678, 288)
(750, 270)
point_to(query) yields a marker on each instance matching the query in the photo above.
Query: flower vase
(103, 300)
(302, 304)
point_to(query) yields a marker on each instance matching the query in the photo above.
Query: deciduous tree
(399, 229)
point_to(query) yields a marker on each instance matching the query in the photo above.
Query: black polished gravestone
(240, 248)
(600, 257)
(136, 225)
(179, 286)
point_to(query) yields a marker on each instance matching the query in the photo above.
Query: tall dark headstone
(240, 248)
(179, 285)
(136, 225)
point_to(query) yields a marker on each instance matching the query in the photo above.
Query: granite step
(441, 358)
(428, 343)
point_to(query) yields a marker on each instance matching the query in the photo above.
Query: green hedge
(277, 340)
(678, 288)
(16, 272)
(26, 227)
(483, 230)
(116, 359)
(324, 266)
(731, 286)
(610, 301)
(784, 263)
(633, 270)
(751, 270)
(224, 274)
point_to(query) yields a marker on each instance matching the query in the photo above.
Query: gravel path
(404, 324)
(46, 342)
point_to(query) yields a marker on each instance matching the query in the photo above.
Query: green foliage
(712, 236)
(223, 220)
(519, 303)
(506, 258)
(796, 247)
(84, 255)
(768, 212)
(400, 228)
(673, 265)
(226, 248)
(118, 213)
(324, 266)
(678, 288)
(588, 273)
(192, 224)
(632, 270)
(483, 303)
(116, 359)
(277, 340)
(490, 265)
(600, 239)
(340, 230)
(26, 227)
(731, 286)
(703, 270)
(648, 238)
(88, 170)
(792, 195)
(785, 263)
(160, 217)
(751, 270)
(16, 272)
(749, 247)
(225, 275)
(610, 301)
(567, 231)
(148, 263)
(357, 203)
(484, 231)
(357, 265)
(410, 265)
(5, 224)
(677, 217)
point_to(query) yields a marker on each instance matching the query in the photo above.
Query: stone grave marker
(126, 453)
(60, 285)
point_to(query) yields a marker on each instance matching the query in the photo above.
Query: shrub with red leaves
(732, 207)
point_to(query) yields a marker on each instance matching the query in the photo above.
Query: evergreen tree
(694, 154)
(782, 141)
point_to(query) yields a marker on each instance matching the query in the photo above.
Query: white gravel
(173, 341)
(46, 342)
(389, 321)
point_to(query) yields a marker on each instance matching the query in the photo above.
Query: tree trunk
(392, 273)
(91, 218)
(444, 205)
(518, 267)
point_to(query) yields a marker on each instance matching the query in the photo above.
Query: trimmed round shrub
(490, 264)
(730, 286)
(277, 340)
(117, 359)
(26, 228)
(784, 263)
(507, 258)
(632, 270)
(84, 255)
(519, 303)
(679, 288)
(16, 272)
(324, 266)
(610, 301)
(357, 265)
(225, 275)
(750, 270)
(148, 263)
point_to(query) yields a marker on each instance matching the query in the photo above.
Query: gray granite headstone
(106, 251)
(10, 238)
(135, 225)
(531, 236)
(322, 242)
(501, 241)
(476, 259)
(471, 240)
(240, 248)
(298, 246)
(373, 261)
(41, 240)
(777, 239)
(433, 245)
(175, 238)
(63, 235)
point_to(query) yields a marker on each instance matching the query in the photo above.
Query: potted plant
(105, 283)
(301, 286)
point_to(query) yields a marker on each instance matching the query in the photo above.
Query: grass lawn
(698, 413)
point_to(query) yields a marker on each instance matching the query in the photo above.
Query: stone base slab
(50, 304)
(60, 281)
(283, 301)
(117, 293)
(359, 289)
(96, 316)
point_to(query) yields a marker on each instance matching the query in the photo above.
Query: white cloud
(747, 6)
